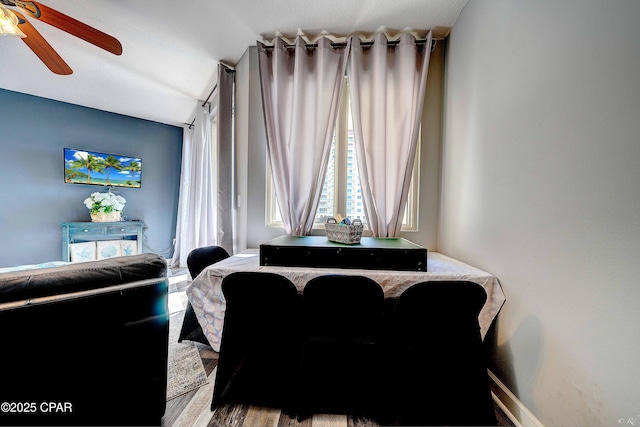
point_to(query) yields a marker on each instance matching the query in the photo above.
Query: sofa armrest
(29, 284)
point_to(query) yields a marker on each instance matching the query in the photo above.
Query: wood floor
(193, 408)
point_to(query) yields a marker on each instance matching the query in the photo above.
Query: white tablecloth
(205, 292)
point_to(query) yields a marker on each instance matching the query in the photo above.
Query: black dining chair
(439, 358)
(200, 258)
(341, 330)
(259, 347)
(197, 260)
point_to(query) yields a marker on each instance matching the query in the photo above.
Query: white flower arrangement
(104, 202)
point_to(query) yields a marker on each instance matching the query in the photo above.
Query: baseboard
(511, 405)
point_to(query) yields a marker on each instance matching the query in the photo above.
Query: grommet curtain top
(391, 38)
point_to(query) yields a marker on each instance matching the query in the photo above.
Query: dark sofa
(85, 344)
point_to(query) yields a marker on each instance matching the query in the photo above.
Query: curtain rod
(210, 93)
(204, 103)
(344, 44)
(366, 44)
(226, 69)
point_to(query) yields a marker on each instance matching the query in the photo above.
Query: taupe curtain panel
(225, 158)
(300, 93)
(301, 87)
(386, 90)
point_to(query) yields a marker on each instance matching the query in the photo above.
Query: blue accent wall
(34, 200)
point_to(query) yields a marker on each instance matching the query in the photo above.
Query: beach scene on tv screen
(94, 168)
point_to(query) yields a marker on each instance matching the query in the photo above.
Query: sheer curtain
(386, 86)
(196, 204)
(205, 205)
(301, 87)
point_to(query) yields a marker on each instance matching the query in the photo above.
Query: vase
(105, 217)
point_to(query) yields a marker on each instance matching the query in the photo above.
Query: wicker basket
(105, 217)
(341, 233)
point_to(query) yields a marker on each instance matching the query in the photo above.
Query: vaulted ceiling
(171, 48)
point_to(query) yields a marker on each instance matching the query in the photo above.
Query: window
(341, 193)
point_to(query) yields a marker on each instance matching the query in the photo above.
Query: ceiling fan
(42, 48)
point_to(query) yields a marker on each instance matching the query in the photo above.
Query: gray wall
(541, 187)
(34, 200)
(252, 162)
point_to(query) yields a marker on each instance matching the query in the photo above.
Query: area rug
(185, 371)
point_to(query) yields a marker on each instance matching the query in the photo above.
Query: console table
(78, 232)
(373, 253)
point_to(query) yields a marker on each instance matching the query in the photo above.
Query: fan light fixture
(14, 23)
(9, 23)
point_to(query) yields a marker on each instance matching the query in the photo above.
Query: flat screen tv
(95, 168)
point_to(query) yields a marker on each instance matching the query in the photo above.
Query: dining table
(208, 302)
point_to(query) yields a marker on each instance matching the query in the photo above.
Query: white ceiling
(171, 48)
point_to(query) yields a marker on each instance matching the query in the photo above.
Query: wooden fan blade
(42, 48)
(78, 29)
